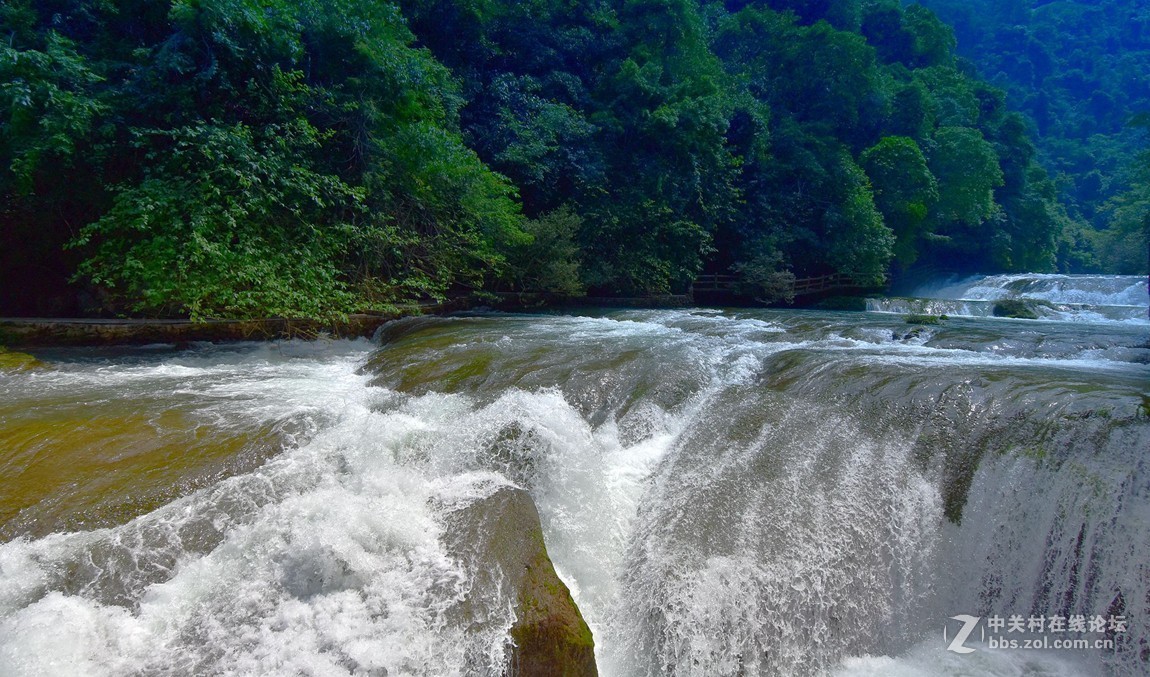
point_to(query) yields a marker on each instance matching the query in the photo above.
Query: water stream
(751, 492)
(1065, 298)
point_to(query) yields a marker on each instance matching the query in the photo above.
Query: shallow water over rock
(724, 493)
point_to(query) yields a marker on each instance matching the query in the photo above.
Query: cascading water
(1075, 298)
(752, 493)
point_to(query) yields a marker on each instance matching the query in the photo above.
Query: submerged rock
(1015, 308)
(915, 318)
(500, 536)
(10, 361)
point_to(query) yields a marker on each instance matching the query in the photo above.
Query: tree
(860, 243)
(967, 171)
(664, 112)
(244, 157)
(226, 224)
(904, 191)
(1076, 70)
(52, 108)
(550, 262)
(1122, 248)
(259, 158)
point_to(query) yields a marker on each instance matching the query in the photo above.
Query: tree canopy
(237, 158)
(1077, 70)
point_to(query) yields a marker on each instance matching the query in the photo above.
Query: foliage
(905, 191)
(1124, 246)
(861, 243)
(967, 171)
(237, 158)
(225, 224)
(1076, 69)
(252, 158)
(550, 261)
(762, 278)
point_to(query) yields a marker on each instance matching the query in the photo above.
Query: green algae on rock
(11, 361)
(1016, 308)
(502, 531)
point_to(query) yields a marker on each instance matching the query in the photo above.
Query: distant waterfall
(1077, 298)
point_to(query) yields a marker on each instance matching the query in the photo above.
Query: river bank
(47, 332)
(78, 332)
(39, 332)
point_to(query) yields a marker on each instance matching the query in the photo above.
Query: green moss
(10, 361)
(471, 369)
(1015, 308)
(114, 461)
(1036, 453)
(551, 636)
(922, 319)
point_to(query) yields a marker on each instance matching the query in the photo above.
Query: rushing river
(750, 492)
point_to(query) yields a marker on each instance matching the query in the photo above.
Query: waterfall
(1075, 298)
(725, 493)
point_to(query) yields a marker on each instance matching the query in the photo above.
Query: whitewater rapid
(1064, 298)
(756, 492)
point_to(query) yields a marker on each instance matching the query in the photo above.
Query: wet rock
(500, 536)
(100, 465)
(915, 318)
(913, 334)
(514, 454)
(1015, 308)
(10, 361)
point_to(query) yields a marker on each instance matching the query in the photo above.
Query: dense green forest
(240, 158)
(1078, 70)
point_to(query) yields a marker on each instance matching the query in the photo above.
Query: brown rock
(502, 536)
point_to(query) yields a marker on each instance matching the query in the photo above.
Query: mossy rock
(922, 319)
(1015, 308)
(103, 332)
(502, 536)
(915, 333)
(10, 361)
(103, 464)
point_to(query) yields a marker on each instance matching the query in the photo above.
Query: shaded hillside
(1078, 71)
(244, 158)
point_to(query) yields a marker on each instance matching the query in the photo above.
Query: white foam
(931, 659)
(328, 559)
(1068, 298)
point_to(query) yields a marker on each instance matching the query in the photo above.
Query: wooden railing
(714, 283)
(814, 285)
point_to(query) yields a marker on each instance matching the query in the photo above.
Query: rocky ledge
(86, 332)
(502, 532)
